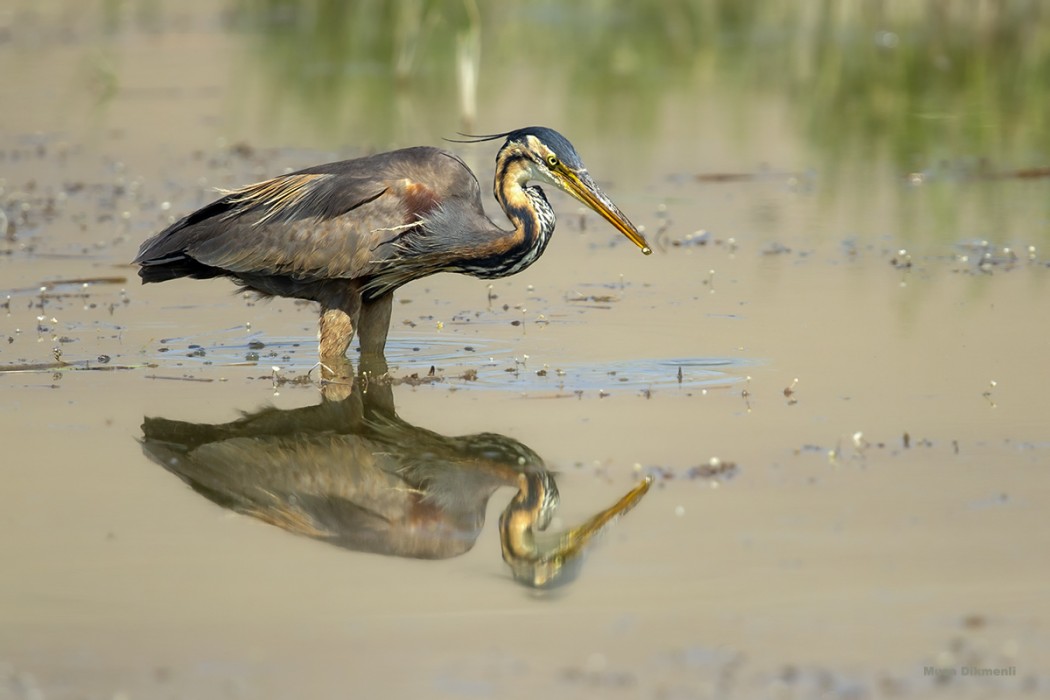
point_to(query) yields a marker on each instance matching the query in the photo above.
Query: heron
(347, 234)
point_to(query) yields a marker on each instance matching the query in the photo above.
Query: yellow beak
(582, 187)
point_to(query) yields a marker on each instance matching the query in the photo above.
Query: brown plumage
(347, 234)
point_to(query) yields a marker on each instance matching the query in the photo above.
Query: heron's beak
(555, 560)
(582, 187)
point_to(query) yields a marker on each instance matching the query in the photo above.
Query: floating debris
(776, 248)
(984, 257)
(596, 298)
(714, 469)
(901, 260)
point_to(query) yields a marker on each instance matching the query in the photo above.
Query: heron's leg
(337, 379)
(335, 332)
(374, 324)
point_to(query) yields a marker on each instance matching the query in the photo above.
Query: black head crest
(551, 138)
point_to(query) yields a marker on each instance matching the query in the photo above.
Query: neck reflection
(350, 472)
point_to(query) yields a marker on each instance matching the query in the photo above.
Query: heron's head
(551, 158)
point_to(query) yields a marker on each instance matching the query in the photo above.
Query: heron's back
(323, 223)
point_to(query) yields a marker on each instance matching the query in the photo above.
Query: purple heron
(348, 234)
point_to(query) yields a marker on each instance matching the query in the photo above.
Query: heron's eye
(552, 160)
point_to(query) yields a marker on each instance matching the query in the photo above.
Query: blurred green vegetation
(930, 112)
(914, 82)
(349, 67)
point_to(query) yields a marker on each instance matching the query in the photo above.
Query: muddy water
(834, 376)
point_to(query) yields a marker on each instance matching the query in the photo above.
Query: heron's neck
(532, 216)
(530, 510)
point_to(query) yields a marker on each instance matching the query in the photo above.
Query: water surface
(832, 365)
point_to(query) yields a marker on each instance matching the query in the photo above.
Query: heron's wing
(322, 223)
(306, 226)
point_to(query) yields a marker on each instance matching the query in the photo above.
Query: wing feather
(323, 223)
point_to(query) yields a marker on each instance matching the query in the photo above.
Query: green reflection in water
(913, 82)
(860, 94)
(356, 72)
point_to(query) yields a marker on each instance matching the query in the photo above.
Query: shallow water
(831, 366)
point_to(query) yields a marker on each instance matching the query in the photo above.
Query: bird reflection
(350, 472)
